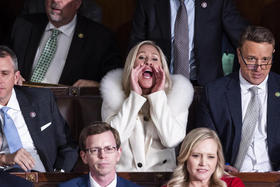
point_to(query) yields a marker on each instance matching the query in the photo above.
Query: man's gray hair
(6, 51)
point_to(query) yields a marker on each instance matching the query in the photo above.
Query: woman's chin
(146, 91)
(146, 85)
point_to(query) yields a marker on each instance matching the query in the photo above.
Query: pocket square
(46, 126)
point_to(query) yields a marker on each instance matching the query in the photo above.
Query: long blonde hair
(129, 64)
(180, 176)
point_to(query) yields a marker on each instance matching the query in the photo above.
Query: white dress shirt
(174, 6)
(256, 159)
(23, 132)
(93, 183)
(64, 40)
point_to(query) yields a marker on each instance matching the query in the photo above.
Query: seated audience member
(190, 33)
(34, 136)
(243, 108)
(101, 150)
(63, 47)
(89, 8)
(148, 107)
(9, 180)
(201, 162)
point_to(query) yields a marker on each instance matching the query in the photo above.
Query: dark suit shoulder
(92, 26)
(275, 77)
(32, 18)
(8, 180)
(223, 82)
(121, 182)
(148, 3)
(32, 92)
(79, 181)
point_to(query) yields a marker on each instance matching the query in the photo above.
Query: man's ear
(119, 154)
(78, 4)
(17, 76)
(84, 157)
(238, 54)
(238, 51)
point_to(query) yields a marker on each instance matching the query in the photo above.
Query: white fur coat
(147, 143)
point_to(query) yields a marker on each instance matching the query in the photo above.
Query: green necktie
(45, 58)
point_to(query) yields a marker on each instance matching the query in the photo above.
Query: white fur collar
(179, 97)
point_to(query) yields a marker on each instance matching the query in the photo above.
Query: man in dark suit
(100, 150)
(38, 131)
(85, 50)
(89, 9)
(9, 180)
(207, 21)
(226, 106)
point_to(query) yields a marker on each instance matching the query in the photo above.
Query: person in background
(148, 107)
(243, 107)
(190, 33)
(101, 150)
(33, 134)
(201, 162)
(62, 47)
(89, 8)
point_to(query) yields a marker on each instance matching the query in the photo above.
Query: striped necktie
(248, 126)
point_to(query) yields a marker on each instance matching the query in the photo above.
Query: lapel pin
(203, 4)
(81, 35)
(277, 94)
(32, 114)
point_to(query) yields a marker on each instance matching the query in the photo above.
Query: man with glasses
(100, 150)
(244, 107)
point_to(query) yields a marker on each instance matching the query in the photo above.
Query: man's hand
(134, 78)
(21, 158)
(231, 169)
(160, 79)
(86, 83)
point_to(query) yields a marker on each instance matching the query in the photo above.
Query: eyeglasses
(97, 150)
(252, 62)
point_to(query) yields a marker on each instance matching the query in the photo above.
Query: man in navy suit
(43, 142)
(225, 101)
(208, 20)
(9, 180)
(100, 150)
(85, 50)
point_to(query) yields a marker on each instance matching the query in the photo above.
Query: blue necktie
(10, 131)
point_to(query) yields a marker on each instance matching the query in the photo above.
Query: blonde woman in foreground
(201, 162)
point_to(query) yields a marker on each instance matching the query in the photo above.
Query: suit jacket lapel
(163, 17)
(233, 98)
(27, 107)
(200, 23)
(273, 103)
(36, 34)
(76, 50)
(84, 182)
(119, 182)
(28, 110)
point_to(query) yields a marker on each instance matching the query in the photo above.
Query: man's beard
(55, 17)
